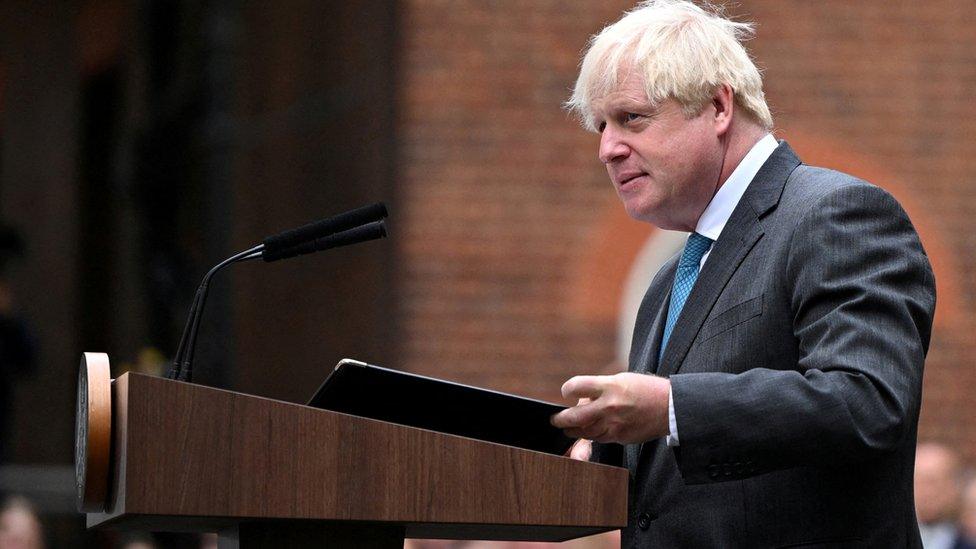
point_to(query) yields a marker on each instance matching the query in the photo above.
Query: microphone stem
(183, 362)
(178, 358)
(348, 228)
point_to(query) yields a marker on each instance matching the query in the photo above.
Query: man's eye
(631, 116)
(601, 126)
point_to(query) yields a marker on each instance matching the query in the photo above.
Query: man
(938, 494)
(776, 363)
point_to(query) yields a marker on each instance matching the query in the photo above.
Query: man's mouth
(628, 179)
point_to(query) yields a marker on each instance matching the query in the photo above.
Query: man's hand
(625, 408)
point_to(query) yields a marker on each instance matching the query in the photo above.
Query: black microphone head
(273, 245)
(369, 231)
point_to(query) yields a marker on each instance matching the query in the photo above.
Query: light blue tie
(684, 281)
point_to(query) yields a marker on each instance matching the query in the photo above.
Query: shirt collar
(719, 210)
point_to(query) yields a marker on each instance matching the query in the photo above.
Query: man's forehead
(628, 91)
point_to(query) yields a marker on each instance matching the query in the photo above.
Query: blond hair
(683, 52)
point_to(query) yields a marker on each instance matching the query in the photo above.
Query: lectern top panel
(365, 390)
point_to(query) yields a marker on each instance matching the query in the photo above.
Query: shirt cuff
(672, 438)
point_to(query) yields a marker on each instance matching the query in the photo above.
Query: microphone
(274, 245)
(352, 227)
(369, 231)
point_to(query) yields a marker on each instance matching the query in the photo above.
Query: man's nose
(611, 145)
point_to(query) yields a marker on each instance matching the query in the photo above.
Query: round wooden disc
(93, 431)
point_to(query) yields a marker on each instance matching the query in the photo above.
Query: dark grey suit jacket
(796, 373)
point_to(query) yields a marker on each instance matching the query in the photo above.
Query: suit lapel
(647, 360)
(728, 252)
(740, 234)
(651, 354)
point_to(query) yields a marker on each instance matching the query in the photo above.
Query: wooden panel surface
(194, 451)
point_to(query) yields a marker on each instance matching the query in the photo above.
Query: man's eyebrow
(631, 103)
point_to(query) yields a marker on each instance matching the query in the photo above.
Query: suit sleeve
(608, 454)
(863, 296)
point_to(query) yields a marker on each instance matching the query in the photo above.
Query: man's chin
(654, 216)
(643, 213)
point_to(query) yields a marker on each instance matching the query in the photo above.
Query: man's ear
(723, 101)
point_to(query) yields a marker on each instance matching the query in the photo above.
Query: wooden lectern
(266, 473)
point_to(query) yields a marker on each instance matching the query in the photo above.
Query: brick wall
(499, 194)
(511, 244)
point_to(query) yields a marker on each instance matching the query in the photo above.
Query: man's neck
(743, 135)
(719, 210)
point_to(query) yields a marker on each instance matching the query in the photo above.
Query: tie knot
(695, 248)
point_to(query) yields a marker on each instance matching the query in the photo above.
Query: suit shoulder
(809, 186)
(811, 182)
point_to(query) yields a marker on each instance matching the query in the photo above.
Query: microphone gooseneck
(352, 227)
(182, 361)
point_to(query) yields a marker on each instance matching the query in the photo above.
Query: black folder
(364, 390)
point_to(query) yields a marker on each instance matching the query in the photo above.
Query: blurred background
(143, 141)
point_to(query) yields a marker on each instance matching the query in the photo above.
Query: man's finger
(576, 417)
(589, 432)
(583, 387)
(581, 450)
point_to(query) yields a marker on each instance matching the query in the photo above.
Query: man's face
(664, 166)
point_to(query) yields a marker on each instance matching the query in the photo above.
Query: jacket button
(644, 522)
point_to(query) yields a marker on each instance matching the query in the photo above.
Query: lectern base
(300, 534)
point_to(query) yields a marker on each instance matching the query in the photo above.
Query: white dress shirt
(717, 214)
